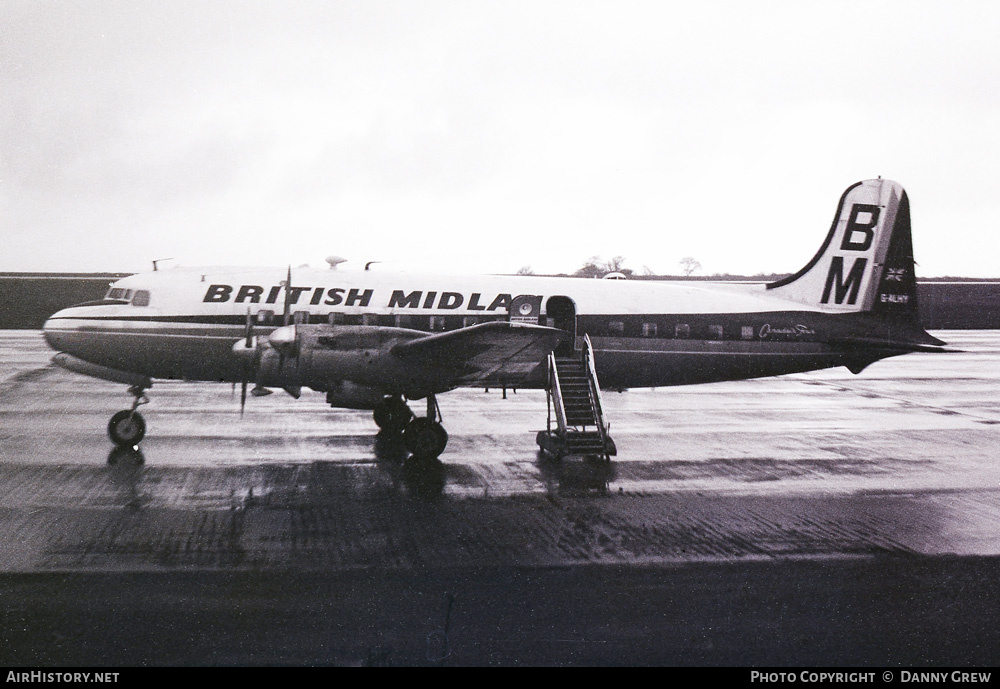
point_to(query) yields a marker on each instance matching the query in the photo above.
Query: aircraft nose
(51, 330)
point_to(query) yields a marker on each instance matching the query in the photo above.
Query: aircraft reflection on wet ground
(126, 456)
(920, 429)
(422, 478)
(426, 479)
(576, 475)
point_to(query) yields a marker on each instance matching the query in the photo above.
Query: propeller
(285, 339)
(288, 296)
(249, 353)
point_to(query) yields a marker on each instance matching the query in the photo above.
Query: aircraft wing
(497, 351)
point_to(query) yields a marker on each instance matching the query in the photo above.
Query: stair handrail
(548, 396)
(595, 388)
(557, 398)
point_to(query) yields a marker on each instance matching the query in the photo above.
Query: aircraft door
(560, 313)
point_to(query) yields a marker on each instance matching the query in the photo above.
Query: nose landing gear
(127, 427)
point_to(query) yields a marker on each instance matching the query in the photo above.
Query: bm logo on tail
(858, 237)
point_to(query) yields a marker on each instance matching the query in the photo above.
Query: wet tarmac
(820, 518)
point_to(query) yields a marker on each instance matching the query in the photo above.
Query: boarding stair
(576, 423)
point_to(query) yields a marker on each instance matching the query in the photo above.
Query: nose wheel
(127, 427)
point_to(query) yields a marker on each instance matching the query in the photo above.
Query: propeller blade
(288, 314)
(288, 296)
(248, 330)
(247, 366)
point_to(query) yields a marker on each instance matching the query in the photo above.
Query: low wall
(959, 305)
(26, 300)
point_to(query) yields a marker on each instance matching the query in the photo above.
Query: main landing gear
(127, 427)
(424, 436)
(391, 414)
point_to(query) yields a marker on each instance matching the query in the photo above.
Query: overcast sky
(486, 136)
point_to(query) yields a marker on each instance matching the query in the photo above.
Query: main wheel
(127, 428)
(424, 437)
(391, 414)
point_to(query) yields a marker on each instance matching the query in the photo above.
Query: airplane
(376, 340)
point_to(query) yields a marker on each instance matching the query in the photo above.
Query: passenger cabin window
(300, 317)
(469, 320)
(437, 323)
(334, 318)
(715, 332)
(746, 332)
(369, 319)
(682, 331)
(616, 328)
(649, 329)
(141, 298)
(265, 317)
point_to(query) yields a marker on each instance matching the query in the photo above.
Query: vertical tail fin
(866, 261)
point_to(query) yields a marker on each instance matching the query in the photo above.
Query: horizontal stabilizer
(878, 343)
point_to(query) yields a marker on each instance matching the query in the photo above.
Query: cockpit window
(139, 297)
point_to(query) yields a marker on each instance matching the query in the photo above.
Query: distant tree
(525, 270)
(592, 268)
(689, 265)
(646, 270)
(615, 265)
(597, 267)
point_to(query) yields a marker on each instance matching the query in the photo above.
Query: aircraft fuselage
(645, 333)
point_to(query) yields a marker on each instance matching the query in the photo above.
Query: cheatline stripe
(199, 336)
(729, 352)
(204, 332)
(321, 317)
(599, 349)
(207, 320)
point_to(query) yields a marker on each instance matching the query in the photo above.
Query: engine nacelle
(348, 395)
(354, 363)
